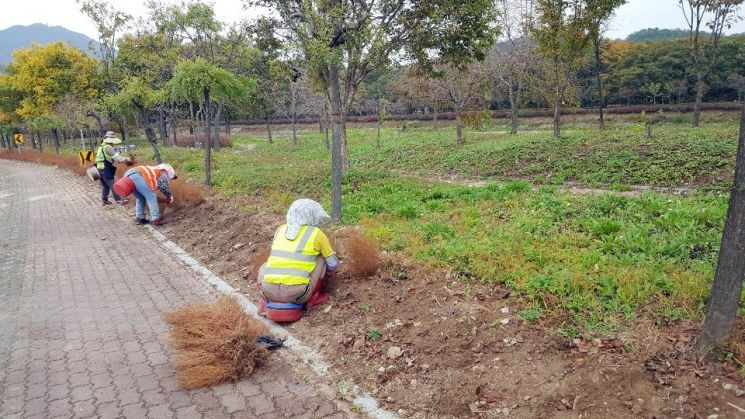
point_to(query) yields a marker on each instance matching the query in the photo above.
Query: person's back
(300, 255)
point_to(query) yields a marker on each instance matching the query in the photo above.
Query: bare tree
(286, 96)
(513, 56)
(461, 88)
(737, 82)
(600, 12)
(561, 34)
(413, 88)
(716, 15)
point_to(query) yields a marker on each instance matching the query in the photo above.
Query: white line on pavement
(366, 402)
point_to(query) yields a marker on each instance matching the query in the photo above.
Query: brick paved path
(82, 292)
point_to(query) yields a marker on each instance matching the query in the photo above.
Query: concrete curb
(367, 403)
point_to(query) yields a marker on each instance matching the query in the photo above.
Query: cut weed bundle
(359, 252)
(216, 342)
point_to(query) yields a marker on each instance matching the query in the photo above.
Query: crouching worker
(143, 182)
(300, 258)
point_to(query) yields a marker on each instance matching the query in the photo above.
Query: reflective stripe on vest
(150, 173)
(292, 261)
(102, 157)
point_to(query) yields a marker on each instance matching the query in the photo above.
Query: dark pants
(107, 182)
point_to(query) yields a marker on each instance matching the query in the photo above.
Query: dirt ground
(426, 345)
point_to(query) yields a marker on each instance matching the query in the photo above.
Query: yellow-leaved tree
(43, 75)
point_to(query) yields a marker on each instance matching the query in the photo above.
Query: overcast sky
(634, 15)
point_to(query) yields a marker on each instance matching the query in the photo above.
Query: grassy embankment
(600, 259)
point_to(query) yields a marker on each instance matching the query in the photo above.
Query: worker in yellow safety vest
(300, 257)
(106, 156)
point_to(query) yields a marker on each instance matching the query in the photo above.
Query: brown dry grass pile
(185, 193)
(258, 259)
(359, 252)
(187, 140)
(63, 161)
(216, 342)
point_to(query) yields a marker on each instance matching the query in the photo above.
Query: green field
(601, 260)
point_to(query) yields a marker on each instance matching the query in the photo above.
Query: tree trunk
(699, 98)
(123, 128)
(293, 111)
(268, 127)
(201, 125)
(173, 120)
(513, 109)
(55, 132)
(326, 126)
(380, 122)
(557, 103)
(193, 124)
(721, 310)
(95, 116)
(39, 140)
(207, 145)
(218, 115)
(150, 133)
(326, 138)
(458, 126)
(337, 138)
(601, 94)
(162, 129)
(344, 149)
(434, 116)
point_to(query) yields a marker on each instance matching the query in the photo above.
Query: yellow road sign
(18, 138)
(86, 156)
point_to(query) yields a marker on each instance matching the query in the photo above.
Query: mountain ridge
(22, 36)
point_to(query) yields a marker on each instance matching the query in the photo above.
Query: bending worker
(301, 256)
(106, 155)
(143, 182)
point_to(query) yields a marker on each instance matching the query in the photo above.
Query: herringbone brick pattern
(82, 293)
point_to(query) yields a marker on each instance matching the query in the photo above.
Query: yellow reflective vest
(102, 157)
(292, 261)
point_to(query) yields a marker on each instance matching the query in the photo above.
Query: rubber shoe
(104, 203)
(142, 221)
(122, 202)
(159, 222)
(317, 298)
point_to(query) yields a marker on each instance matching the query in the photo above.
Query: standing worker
(143, 182)
(300, 257)
(106, 155)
